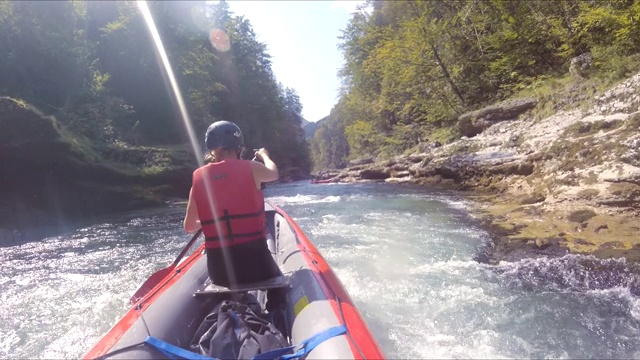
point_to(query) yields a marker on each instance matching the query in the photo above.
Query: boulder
(473, 123)
(374, 174)
(580, 64)
(447, 172)
(513, 168)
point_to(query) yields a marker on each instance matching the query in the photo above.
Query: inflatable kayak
(318, 318)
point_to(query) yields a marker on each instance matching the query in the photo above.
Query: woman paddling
(226, 202)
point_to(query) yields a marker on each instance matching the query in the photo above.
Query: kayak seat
(209, 288)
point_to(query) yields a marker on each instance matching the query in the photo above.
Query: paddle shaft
(186, 248)
(159, 275)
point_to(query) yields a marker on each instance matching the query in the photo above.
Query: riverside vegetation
(89, 126)
(531, 107)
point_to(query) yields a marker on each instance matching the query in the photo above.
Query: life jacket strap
(226, 217)
(233, 236)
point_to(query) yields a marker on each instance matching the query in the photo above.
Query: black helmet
(223, 134)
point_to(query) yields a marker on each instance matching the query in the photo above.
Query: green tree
(412, 67)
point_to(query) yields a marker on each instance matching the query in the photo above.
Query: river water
(405, 254)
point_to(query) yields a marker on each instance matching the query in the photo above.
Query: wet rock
(611, 245)
(542, 243)
(537, 248)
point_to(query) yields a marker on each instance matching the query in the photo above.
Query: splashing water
(405, 256)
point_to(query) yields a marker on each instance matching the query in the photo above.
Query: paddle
(156, 277)
(255, 158)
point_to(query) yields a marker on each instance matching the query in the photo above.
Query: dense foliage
(412, 67)
(94, 66)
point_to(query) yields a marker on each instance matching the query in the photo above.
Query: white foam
(22, 281)
(8, 340)
(304, 199)
(451, 267)
(75, 277)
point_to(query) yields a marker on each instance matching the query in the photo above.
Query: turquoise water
(404, 254)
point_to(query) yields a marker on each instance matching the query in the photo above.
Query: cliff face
(555, 176)
(49, 178)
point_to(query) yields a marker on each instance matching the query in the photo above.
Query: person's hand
(261, 153)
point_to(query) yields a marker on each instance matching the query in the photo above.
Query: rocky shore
(548, 174)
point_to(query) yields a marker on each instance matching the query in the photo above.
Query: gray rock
(374, 174)
(473, 123)
(580, 64)
(361, 161)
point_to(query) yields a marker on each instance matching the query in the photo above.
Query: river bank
(51, 179)
(550, 174)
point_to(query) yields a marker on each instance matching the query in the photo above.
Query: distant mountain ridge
(310, 127)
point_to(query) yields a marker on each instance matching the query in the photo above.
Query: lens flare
(219, 40)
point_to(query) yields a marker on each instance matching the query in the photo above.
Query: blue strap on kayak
(305, 347)
(172, 351)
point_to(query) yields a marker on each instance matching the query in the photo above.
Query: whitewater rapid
(404, 254)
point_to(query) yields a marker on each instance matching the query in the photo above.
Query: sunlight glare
(144, 8)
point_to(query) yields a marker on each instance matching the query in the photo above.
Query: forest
(94, 67)
(411, 68)
(90, 124)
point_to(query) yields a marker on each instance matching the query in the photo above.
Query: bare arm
(264, 173)
(191, 221)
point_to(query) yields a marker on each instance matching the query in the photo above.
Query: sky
(302, 39)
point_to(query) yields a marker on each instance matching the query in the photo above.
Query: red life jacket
(230, 207)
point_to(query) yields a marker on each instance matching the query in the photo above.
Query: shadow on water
(169, 213)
